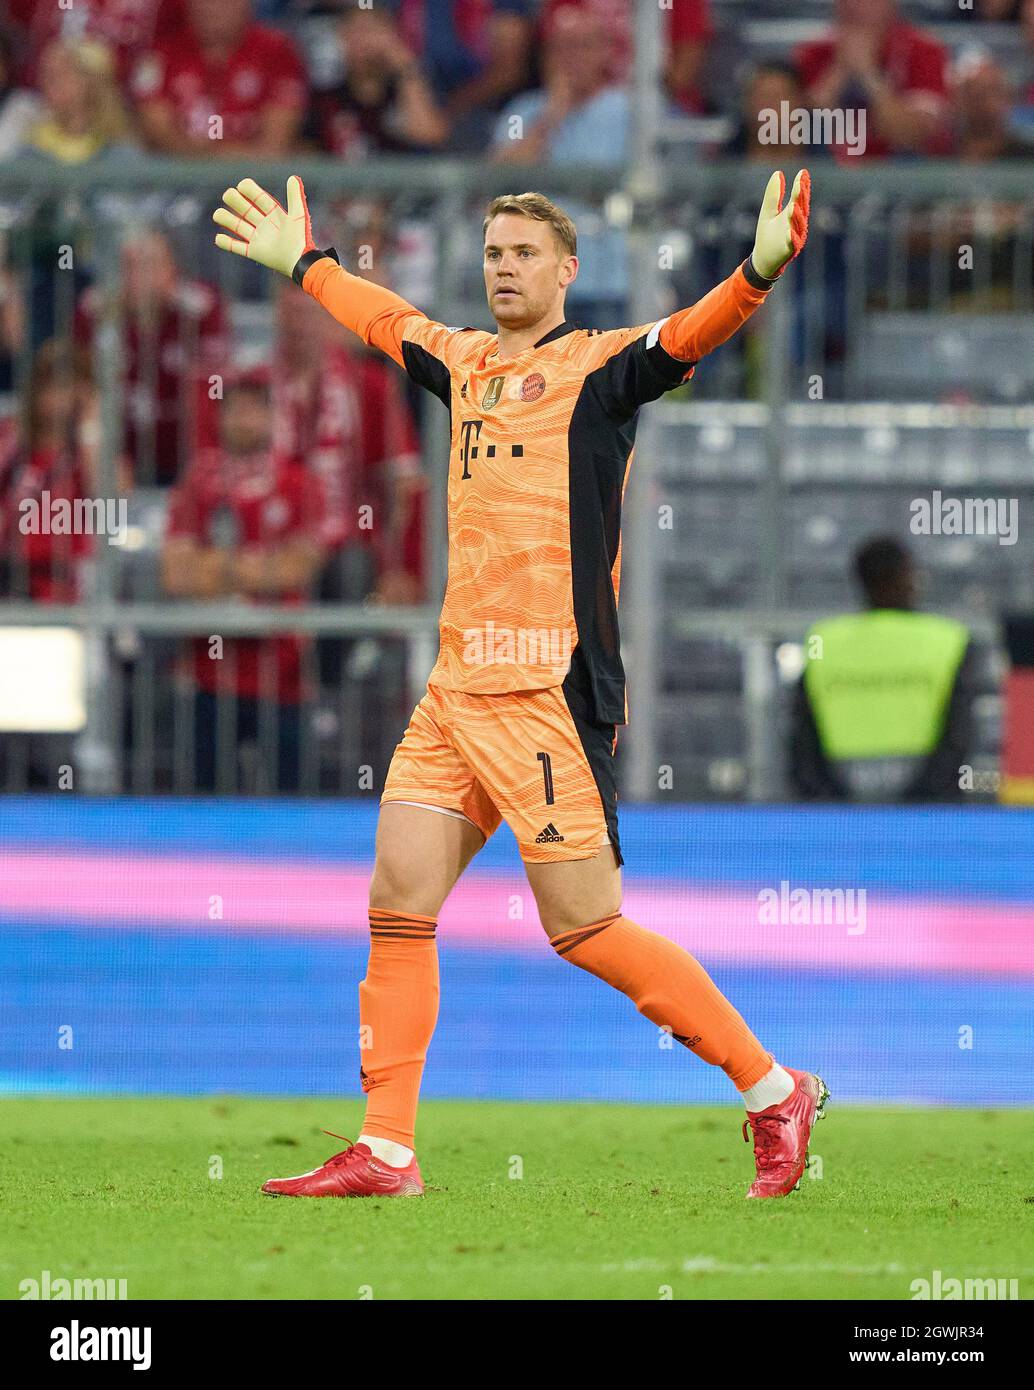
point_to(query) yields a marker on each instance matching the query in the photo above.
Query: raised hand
(263, 230)
(782, 232)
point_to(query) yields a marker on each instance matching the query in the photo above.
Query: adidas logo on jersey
(550, 836)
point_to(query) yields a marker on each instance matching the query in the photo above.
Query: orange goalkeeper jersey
(541, 448)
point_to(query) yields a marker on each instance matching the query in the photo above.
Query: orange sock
(672, 989)
(398, 1008)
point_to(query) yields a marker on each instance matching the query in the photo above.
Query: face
(65, 88)
(365, 37)
(148, 270)
(525, 271)
(765, 92)
(54, 406)
(246, 420)
(580, 49)
(983, 95)
(365, 236)
(219, 21)
(865, 14)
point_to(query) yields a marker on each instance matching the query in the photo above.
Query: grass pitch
(524, 1201)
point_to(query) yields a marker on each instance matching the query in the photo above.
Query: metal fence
(795, 441)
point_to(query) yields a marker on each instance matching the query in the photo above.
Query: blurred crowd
(300, 474)
(106, 79)
(296, 478)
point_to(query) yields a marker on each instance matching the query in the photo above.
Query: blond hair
(538, 207)
(94, 60)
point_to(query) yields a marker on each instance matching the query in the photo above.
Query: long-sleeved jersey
(541, 448)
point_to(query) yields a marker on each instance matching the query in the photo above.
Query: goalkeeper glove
(277, 237)
(781, 232)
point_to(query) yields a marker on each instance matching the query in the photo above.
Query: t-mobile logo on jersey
(518, 646)
(470, 431)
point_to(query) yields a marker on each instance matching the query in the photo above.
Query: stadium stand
(909, 367)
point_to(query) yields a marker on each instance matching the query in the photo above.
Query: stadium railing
(789, 447)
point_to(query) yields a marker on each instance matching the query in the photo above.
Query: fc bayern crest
(533, 386)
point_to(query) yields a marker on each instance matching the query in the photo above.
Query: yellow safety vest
(879, 682)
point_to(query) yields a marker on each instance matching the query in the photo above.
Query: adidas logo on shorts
(550, 836)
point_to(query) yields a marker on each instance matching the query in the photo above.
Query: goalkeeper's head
(530, 258)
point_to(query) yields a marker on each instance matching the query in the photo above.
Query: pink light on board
(484, 912)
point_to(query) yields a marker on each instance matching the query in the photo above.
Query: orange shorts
(533, 758)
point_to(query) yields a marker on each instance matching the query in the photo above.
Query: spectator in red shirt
(128, 27)
(246, 525)
(342, 412)
(223, 86)
(873, 60)
(383, 105)
(687, 27)
(53, 463)
(689, 32)
(173, 329)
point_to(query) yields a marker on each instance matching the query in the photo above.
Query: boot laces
(767, 1137)
(345, 1156)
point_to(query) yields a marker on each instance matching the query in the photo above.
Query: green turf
(612, 1202)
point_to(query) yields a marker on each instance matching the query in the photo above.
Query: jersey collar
(557, 332)
(554, 333)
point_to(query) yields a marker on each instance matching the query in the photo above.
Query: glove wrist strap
(754, 277)
(310, 258)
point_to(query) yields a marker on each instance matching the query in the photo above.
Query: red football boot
(781, 1135)
(352, 1173)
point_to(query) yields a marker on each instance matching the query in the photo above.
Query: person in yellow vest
(882, 711)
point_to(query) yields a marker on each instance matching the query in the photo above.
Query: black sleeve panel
(428, 371)
(636, 375)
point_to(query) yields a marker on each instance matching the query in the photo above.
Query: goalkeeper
(519, 720)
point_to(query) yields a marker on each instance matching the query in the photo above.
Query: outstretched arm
(281, 238)
(692, 333)
(648, 360)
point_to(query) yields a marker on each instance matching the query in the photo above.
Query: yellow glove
(781, 232)
(264, 231)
